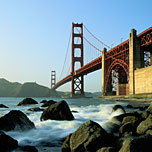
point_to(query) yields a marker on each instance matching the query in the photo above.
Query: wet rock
(15, 120)
(145, 125)
(27, 101)
(36, 109)
(118, 107)
(90, 136)
(137, 144)
(107, 149)
(74, 111)
(118, 119)
(28, 149)
(43, 101)
(129, 128)
(129, 106)
(3, 106)
(7, 143)
(141, 108)
(130, 119)
(66, 144)
(145, 114)
(48, 103)
(57, 111)
(149, 132)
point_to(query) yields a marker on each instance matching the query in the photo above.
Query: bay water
(49, 135)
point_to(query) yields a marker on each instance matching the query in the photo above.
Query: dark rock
(27, 101)
(128, 128)
(15, 120)
(90, 137)
(29, 149)
(130, 119)
(118, 107)
(145, 114)
(36, 109)
(128, 134)
(7, 143)
(145, 125)
(66, 144)
(146, 107)
(149, 132)
(141, 108)
(118, 119)
(129, 106)
(48, 103)
(43, 101)
(137, 144)
(57, 111)
(3, 106)
(107, 149)
(74, 111)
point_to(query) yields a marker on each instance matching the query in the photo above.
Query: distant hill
(30, 89)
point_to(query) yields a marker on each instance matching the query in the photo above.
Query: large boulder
(137, 144)
(57, 111)
(3, 106)
(15, 120)
(145, 125)
(7, 143)
(48, 103)
(27, 101)
(90, 137)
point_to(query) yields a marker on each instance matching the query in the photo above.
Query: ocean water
(49, 135)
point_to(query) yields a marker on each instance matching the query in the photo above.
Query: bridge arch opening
(116, 74)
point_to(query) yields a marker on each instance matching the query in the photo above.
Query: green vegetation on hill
(15, 89)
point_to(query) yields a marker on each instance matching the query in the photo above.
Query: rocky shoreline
(16, 120)
(130, 131)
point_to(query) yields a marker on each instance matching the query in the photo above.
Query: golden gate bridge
(117, 64)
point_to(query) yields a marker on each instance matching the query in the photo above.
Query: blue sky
(34, 34)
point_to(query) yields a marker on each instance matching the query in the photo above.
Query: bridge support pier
(77, 82)
(103, 72)
(136, 59)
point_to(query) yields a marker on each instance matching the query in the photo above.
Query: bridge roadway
(145, 38)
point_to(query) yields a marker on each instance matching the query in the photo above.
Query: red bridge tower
(53, 78)
(77, 81)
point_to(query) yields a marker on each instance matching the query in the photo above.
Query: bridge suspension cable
(96, 37)
(88, 41)
(65, 56)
